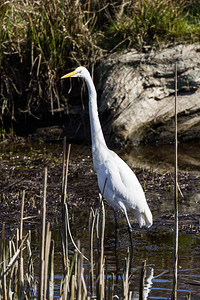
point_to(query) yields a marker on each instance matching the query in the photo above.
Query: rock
(136, 95)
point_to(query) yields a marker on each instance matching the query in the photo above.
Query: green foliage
(148, 22)
(40, 39)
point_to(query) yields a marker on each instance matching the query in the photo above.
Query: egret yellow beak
(70, 74)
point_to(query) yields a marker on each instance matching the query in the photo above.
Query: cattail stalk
(175, 262)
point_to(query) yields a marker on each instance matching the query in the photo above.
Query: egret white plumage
(117, 182)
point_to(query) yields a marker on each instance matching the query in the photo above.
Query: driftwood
(136, 94)
(136, 98)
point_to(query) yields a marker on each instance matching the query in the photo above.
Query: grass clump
(148, 22)
(40, 39)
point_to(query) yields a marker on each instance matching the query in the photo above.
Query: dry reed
(17, 275)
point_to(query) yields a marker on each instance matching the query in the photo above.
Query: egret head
(79, 72)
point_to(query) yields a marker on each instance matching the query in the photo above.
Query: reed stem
(42, 241)
(175, 261)
(142, 276)
(21, 266)
(63, 200)
(50, 287)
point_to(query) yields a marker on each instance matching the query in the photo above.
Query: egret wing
(122, 184)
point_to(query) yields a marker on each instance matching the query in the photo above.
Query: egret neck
(98, 141)
(117, 182)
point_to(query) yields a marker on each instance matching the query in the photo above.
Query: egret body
(117, 182)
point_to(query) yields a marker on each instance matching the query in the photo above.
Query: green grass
(156, 22)
(39, 40)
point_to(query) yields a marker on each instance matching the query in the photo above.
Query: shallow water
(22, 167)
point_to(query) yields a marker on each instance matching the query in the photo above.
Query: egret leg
(116, 220)
(130, 229)
(116, 229)
(123, 209)
(116, 244)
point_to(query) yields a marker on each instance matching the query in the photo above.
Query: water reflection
(160, 160)
(148, 282)
(161, 157)
(156, 247)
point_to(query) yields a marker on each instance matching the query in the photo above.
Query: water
(22, 168)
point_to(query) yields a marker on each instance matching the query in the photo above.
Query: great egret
(117, 182)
